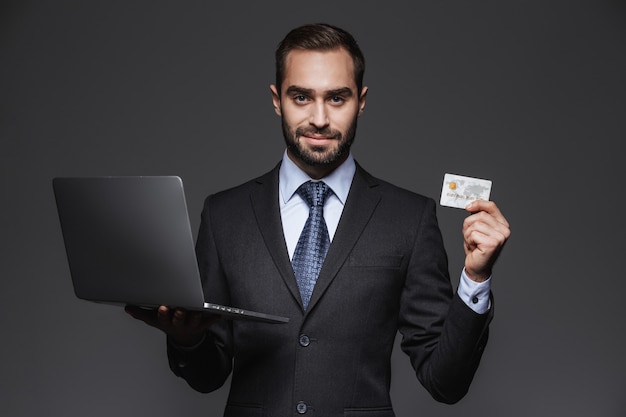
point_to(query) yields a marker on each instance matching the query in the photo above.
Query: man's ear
(275, 99)
(362, 99)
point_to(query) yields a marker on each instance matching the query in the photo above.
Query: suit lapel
(360, 205)
(264, 200)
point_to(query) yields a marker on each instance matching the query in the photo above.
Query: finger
(201, 320)
(139, 313)
(163, 316)
(179, 317)
(195, 319)
(150, 316)
(488, 207)
(132, 310)
(481, 205)
(486, 223)
(482, 231)
(484, 241)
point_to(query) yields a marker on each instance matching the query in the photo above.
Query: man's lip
(320, 138)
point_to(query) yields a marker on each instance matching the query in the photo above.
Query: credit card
(459, 190)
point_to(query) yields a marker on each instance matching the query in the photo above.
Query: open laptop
(128, 240)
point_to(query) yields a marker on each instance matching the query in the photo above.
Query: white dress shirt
(294, 211)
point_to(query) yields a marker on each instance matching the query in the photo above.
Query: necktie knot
(314, 193)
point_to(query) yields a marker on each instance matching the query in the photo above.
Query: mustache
(327, 132)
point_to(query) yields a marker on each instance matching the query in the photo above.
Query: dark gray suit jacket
(386, 270)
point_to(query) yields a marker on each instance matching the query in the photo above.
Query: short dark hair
(319, 37)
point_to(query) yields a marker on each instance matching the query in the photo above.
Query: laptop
(128, 241)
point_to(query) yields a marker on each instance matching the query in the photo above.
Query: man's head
(319, 95)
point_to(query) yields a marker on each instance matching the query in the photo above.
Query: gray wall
(530, 94)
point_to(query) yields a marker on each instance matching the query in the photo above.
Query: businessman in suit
(383, 265)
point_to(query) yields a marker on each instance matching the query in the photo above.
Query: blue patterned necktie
(314, 240)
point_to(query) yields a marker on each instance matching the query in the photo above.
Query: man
(385, 269)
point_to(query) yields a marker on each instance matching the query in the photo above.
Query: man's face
(319, 106)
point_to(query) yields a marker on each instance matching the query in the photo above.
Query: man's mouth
(319, 137)
(317, 140)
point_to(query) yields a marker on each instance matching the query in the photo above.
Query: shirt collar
(291, 177)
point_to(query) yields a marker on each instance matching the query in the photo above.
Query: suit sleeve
(207, 366)
(443, 337)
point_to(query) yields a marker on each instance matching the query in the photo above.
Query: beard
(319, 155)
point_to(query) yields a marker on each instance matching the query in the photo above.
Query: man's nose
(319, 116)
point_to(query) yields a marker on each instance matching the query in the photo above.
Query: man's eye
(300, 99)
(337, 100)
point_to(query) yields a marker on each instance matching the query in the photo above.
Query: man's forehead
(337, 56)
(319, 70)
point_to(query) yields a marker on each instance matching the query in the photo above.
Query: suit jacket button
(301, 408)
(304, 340)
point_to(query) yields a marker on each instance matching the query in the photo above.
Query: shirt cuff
(475, 294)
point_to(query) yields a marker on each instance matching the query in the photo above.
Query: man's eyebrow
(294, 89)
(344, 91)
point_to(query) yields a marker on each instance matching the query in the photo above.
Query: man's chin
(319, 156)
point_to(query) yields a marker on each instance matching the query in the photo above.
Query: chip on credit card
(459, 190)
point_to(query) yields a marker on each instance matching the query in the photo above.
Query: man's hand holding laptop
(184, 328)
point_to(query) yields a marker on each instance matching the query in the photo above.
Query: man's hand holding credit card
(485, 231)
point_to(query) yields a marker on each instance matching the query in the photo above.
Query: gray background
(530, 94)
